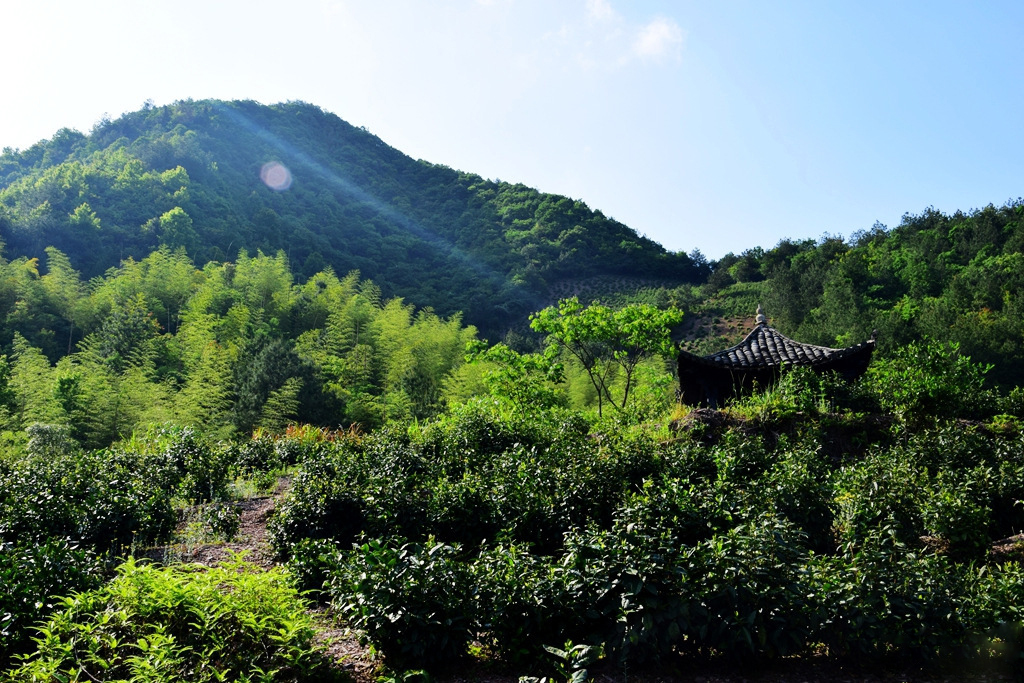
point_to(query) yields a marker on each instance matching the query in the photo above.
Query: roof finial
(761, 318)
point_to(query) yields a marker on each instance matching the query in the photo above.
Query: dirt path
(252, 539)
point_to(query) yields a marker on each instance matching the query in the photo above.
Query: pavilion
(758, 360)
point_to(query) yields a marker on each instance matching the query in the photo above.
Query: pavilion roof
(766, 347)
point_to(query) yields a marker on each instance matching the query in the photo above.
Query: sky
(719, 126)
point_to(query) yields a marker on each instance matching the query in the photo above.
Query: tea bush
(202, 468)
(323, 503)
(625, 590)
(799, 486)
(931, 379)
(312, 563)
(33, 577)
(413, 601)
(763, 542)
(466, 479)
(750, 595)
(885, 490)
(956, 511)
(521, 604)
(882, 597)
(219, 521)
(104, 500)
(257, 456)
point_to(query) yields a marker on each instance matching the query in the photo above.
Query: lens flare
(276, 176)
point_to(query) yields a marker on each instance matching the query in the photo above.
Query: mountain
(217, 177)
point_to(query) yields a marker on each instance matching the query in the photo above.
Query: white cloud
(607, 40)
(659, 40)
(600, 10)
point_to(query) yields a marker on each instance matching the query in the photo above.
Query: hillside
(217, 179)
(957, 278)
(189, 175)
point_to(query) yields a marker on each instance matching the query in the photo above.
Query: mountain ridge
(187, 175)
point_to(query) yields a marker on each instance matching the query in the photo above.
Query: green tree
(177, 231)
(32, 379)
(206, 397)
(270, 364)
(63, 286)
(607, 342)
(524, 381)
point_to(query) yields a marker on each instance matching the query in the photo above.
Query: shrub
(882, 597)
(1008, 496)
(183, 461)
(800, 488)
(749, 591)
(33, 578)
(185, 622)
(317, 508)
(103, 500)
(883, 491)
(50, 440)
(626, 590)
(312, 563)
(217, 521)
(520, 602)
(203, 469)
(413, 602)
(931, 379)
(956, 511)
(256, 456)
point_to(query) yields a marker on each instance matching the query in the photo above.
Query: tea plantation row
(525, 533)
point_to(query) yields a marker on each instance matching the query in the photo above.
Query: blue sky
(717, 126)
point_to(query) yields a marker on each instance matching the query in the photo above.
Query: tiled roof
(766, 347)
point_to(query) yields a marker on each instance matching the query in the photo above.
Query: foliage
(184, 177)
(608, 344)
(467, 502)
(184, 622)
(226, 349)
(412, 601)
(105, 500)
(33, 575)
(754, 547)
(527, 382)
(931, 380)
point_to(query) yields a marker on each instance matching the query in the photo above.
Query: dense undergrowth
(856, 520)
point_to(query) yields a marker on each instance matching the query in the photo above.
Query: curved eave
(745, 356)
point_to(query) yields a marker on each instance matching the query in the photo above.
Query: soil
(342, 646)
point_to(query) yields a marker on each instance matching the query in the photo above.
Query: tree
(63, 285)
(205, 399)
(526, 381)
(271, 364)
(177, 231)
(607, 342)
(31, 380)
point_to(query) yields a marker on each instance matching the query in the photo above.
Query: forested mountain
(215, 177)
(212, 246)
